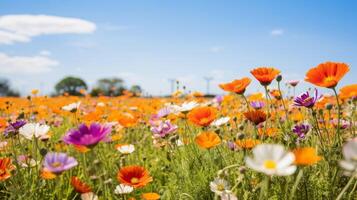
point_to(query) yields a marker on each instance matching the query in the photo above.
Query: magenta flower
(306, 100)
(58, 162)
(257, 104)
(163, 129)
(88, 135)
(14, 127)
(301, 130)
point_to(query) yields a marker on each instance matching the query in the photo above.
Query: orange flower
(47, 175)
(327, 74)
(276, 94)
(207, 140)
(236, 86)
(247, 143)
(306, 156)
(6, 167)
(202, 116)
(134, 176)
(79, 186)
(150, 196)
(348, 91)
(256, 116)
(265, 75)
(271, 132)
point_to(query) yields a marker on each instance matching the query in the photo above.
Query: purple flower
(163, 129)
(232, 146)
(301, 130)
(58, 162)
(306, 100)
(257, 104)
(14, 127)
(163, 112)
(218, 99)
(88, 135)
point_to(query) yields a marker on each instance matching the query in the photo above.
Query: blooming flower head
(125, 148)
(301, 130)
(256, 116)
(72, 107)
(123, 189)
(349, 163)
(150, 196)
(202, 116)
(265, 75)
(31, 130)
(80, 186)
(306, 156)
(87, 135)
(134, 176)
(247, 143)
(6, 167)
(163, 129)
(219, 185)
(305, 100)
(219, 122)
(348, 91)
(26, 161)
(236, 86)
(327, 74)
(207, 140)
(293, 83)
(14, 127)
(57, 163)
(257, 104)
(271, 159)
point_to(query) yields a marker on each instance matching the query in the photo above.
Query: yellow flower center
(134, 180)
(270, 164)
(220, 187)
(56, 164)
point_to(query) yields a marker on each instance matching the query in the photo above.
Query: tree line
(76, 86)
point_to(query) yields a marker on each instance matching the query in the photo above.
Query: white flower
(36, 130)
(271, 159)
(220, 121)
(185, 107)
(123, 189)
(89, 196)
(101, 104)
(349, 164)
(72, 107)
(126, 148)
(219, 186)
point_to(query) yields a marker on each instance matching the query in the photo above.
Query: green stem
(346, 187)
(339, 116)
(297, 181)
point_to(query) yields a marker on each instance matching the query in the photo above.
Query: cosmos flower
(236, 86)
(257, 104)
(184, 108)
(134, 176)
(6, 167)
(125, 148)
(80, 186)
(202, 116)
(327, 74)
(349, 163)
(301, 130)
(343, 123)
(265, 75)
(87, 136)
(57, 163)
(207, 140)
(123, 189)
(219, 122)
(26, 161)
(219, 185)
(305, 100)
(31, 130)
(72, 107)
(163, 129)
(306, 156)
(271, 159)
(14, 127)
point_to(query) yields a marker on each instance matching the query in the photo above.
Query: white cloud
(277, 32)
(45, 53)
(25, 65)
(216, 49)
(20, 28)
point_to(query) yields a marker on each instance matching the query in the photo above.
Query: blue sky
(146, 42)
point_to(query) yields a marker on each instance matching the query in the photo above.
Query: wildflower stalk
(339, 116)
(282, 101)
(346, 186)
(265, 188)
(297, 181)
(246, 101)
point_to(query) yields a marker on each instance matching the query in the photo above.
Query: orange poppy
(202, 116)
(247, 143)
(79, 186)
(265, 75)
(306, 156)
(134, 176)
(327, 74)
(150, 196)
(6, 167)
(236, 86)
(348, 91)
(255, 116)
(207, 140)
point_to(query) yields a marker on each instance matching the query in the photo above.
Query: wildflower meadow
(270, 145)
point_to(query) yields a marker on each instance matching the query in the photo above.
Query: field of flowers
(272, 145)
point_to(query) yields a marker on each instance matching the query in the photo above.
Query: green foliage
(70, 85)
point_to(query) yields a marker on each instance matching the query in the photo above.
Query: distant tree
(109, 87)
(5, 89)
(70, 85)
(136, 89)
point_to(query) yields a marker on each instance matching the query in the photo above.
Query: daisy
(220, 121)
(72, 107)
(123, 189)
(219, 186)
(36, 130)
(272, 159)
(125, 148)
